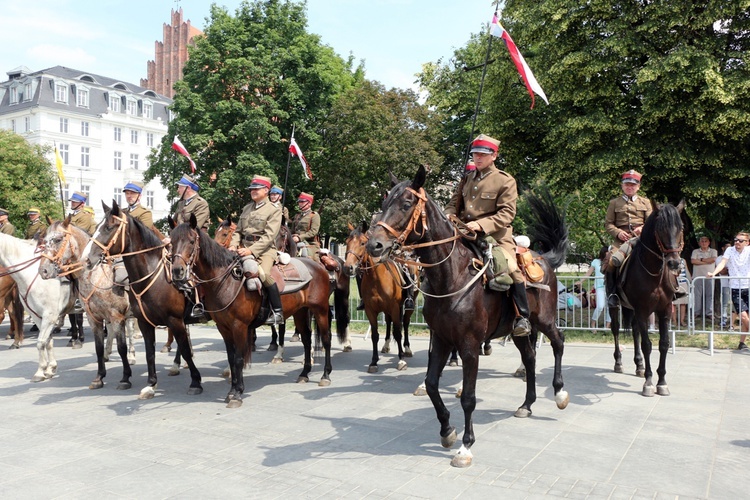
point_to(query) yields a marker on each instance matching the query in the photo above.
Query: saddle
(529, 266)
(290, 277)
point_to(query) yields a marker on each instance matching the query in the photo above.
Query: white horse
(45, 301)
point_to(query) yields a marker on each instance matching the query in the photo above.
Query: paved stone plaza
(367, 436)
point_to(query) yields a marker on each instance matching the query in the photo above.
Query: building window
(149, 199)
(148, 110)
(61, 92)
(63, 125)
(13, 125)
(66, 191)
(132, 108)
(65, 154)
(26, 123)
(149, 139)
(134, 161)
(85, 129)
(118, 160)
(133, 136)
(118, 134)
(118, 196)
(114, 103)
(85, 155)
(13, 95)
(86, 190)
(82, 98)
(27, 92)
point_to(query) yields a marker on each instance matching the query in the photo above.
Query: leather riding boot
(610, 286)
(521, 325)
(409, 300)
(361, 305)
(276, 315)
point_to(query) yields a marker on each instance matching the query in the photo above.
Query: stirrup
(275, 318)
(521, 327)
(197, 311)
(361, 305)
(409, 304)
(613, 300)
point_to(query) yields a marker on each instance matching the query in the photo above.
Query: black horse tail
(547, 227)
(341, 310)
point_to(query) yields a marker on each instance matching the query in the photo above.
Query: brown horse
(103, 300)
(10, 300)
(649, 286)
(382, 291)
(235, 309)
(153, 299)
(459, 311)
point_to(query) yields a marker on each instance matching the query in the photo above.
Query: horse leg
(387, 345)
(661, 385)
(15, 314)
(182, 337)
(78, 342)
(175, 368)
(323, 335)
(170, 338)
(122, 349)
(557, 341)
(525, 346)
(486, 348)
(375, 337)
(397, 336)
(149, 341)
(279, 356)
(436, 359)
(234, 398)
(454, 358)
(637, 350)
(108, 340)
(470, 358)
(43, 367)
(130, 333)
(101, 371)
(407, 346)
(274, 345)
(614, 325)
(640, 327)
(300, 320)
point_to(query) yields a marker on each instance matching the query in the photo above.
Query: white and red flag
(496, 29)
(296, 151)
(178, 146)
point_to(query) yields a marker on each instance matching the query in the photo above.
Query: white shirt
(738, 265)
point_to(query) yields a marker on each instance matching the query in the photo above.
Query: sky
(115, 38)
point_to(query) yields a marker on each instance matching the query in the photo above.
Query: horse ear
(681, 206)
(394, 179)
(193, 221)
(229, 219)
(115, 208)
(49, 220)
(654, 206)
(171, 222)
(365, 227)
(419, 179)
(221, 221)
(349, 225)
(66, 222)
(105, 207)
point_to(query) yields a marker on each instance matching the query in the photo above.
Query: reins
(57, 259)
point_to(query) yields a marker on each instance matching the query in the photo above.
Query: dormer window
(27, 92)
(132, 108)
(82, 97)
(148, 109)
(114, 103)
(61, 92)
(13, 95)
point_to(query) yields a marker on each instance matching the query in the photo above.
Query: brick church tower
(171, 55)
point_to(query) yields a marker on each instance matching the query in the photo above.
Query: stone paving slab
(367, 436)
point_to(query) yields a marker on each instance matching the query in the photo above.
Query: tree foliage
(26, 179)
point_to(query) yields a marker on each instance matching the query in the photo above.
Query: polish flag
(178, 146)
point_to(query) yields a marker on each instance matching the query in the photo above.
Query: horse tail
(341, 310)
(547, 227)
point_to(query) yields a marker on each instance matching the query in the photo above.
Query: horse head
(225, 231)
(403, 214)
(111, 234)
(355, 248)
(662, 234)
(185, 249)
(61, 248)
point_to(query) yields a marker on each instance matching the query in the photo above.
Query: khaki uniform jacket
(195, 205)
(34, 227)
(489, 198)
(142, 214)
(626, 215)
(257, 229)
(85, 221)
(284, 211)
(306, 225)
(8, 228)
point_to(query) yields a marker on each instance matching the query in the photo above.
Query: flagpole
(286, 177)
(59, 182)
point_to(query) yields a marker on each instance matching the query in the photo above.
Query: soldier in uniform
(133, 192)
(305, 228)
(275, 196)
(36, 225)
(626, 215)
(191, 203)
(255, 237)
(80, 218)
(5, 226)
(486, 203)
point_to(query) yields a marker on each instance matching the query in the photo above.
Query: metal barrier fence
(575, 313)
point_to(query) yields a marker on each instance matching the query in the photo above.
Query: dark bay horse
(235, 309)
(648, 286)
(10, 300)
(458, 310)
(153, 299)
(381, 292)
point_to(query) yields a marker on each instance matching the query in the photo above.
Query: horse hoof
(234, 403)
(640, 373)
(38, 378)
(277, 361)
(147, 393)
(302, 380)
(106, 359)
(522, 413)
(347, 348)
(194, 391)
(124, 386)
(385, 350)
(408, 353)
(96, 384)
(166, 349)
(648, 390)
(273, 348)
(487, 350)
(421, 391)
(453, 362)
(520, 373)
(131, 361)
(662, 390)
(77, 344)
(324, 382)
(8, 337)
(618, 368)
(14, 346)
(459, 392)
(372, 369)
(462, 458)
(449, 440)
(562, 399)
(401, 365)
(295, 338)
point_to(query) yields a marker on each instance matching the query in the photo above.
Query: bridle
(230, 232)
(119, 232)
(57, 259)
(665, 252)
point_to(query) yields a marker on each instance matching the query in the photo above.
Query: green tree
(369, 133)
(26, 179)
(249, 81)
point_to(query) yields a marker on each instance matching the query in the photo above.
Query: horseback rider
(254, 239)
(78, 217)
(275, 195)
(191, 203)
(36, 225)
(626, 215)
(5, 226)
(486, 202)
(136, 210)
(305, 228)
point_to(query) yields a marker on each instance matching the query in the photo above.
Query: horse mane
(662, 219)
(214, 254)
(148, 237)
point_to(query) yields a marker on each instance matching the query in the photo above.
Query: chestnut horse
(235, 309)
(459, 311)
(382, 291)
(10, 300)
(153, 299)
(649, 286)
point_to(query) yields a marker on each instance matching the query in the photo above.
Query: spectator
(703, 260)
(679, 313)
(737, 260)
(725, 303)
(601, 295)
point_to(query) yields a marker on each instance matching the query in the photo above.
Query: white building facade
(105, 130)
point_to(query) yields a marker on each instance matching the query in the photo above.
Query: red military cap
(305, 197)
(631, 177)
(259, 182)
(484, 144)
